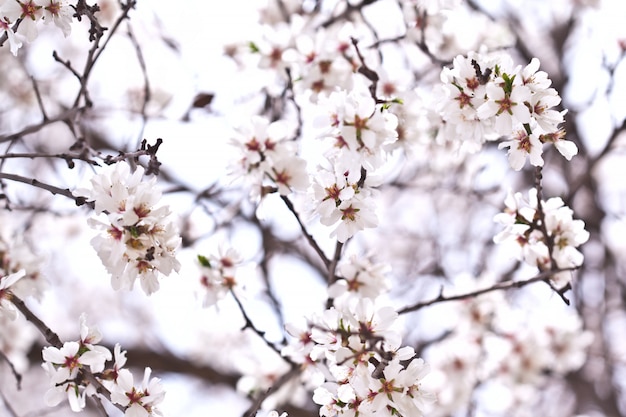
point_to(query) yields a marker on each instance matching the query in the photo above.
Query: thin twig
(51, 188)
(7, 405)
(541, 277)
(147, 94)
(65, 156)
(305, 233)
(250, 325)
(17, 375)
(63, 117)
(332, 267)
(293, 372)
(39, 100)
(51, 337)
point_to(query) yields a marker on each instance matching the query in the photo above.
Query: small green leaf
(204, 261)
(253, 48)
(508, 82)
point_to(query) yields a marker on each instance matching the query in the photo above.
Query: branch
(65, 156)
(350, 8)
(306, 234)
(63, 117)
(251, 412)
(147, 95)
(51, 188)
(541, 277)
(260, 333)
(18, 377)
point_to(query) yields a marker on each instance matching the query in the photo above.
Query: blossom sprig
(139, 238)
(20, 19)
(359, 278)
(486, 97)
(78, 369)
(500, 345)
(343, 201)
(15, 255)
(139, 401)
(218, 274)
(267, 157)
(367, 369)
(64, 367)
(361, 131)
(547, 241)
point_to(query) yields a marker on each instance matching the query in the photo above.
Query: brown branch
(51, 188)
(17, 375)
(332, 268)
(7, 405)
(541, 277)
(65, 156)
(250, 325)
(305, 233)
(63, 117)
(350, 8)
(146, 82)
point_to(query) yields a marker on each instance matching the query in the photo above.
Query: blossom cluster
(15, 255)
(359, 134)
(268, 156)
(353, 355)
(139, 238)
(218, 274)
(502, 347)
(19, 19)
(79, 369)
(543, 234)
(486, 97)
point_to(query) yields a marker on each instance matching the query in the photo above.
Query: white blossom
(541, 240)
(140, 401)
(6, 306)
(139, 239)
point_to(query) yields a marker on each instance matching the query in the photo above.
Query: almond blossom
(6, 306)
(15, 42)
(345, 205)
(218, 274)
(360, 131)
(523, 145)
(267, 157)
(63, 366)
(140, 401)
(139, 238)
(552, 249)
(359, 278)
(484, 97)
(29, 14)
